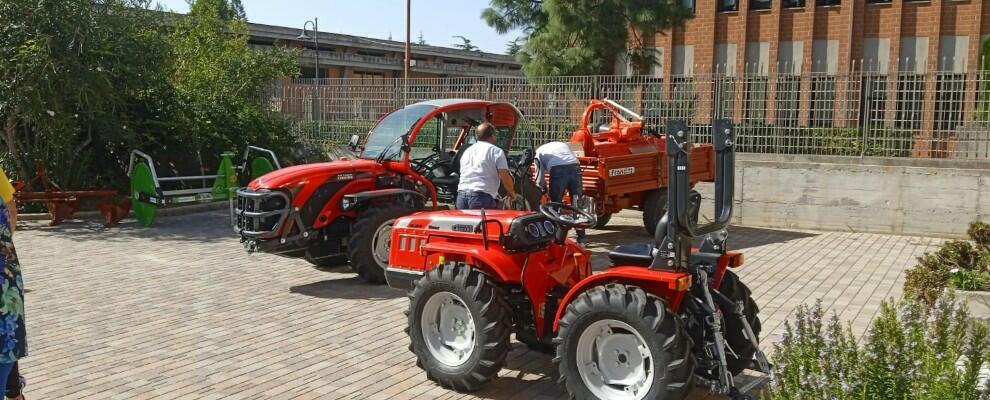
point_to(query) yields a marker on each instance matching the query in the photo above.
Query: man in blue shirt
(565, 174)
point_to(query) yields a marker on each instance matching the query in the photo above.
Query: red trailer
(623, 166)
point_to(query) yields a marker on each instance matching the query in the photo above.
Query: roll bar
(677, 226)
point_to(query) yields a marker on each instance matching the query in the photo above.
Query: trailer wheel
(735, 334)
(459, 325)
(618, 342)
(371, 236)
(654, 206)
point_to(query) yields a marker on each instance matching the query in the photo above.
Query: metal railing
(862, 112)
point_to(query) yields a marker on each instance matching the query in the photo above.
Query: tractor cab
(430, 138)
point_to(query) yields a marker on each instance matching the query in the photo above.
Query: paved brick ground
(180, 311)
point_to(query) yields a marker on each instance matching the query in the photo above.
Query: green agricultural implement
(147, 194)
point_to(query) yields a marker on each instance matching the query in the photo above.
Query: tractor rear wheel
(371, 236)
(459, 325)
(654, 206)
(618, 342)
(735, 334)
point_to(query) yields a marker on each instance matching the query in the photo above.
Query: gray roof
(286, 33)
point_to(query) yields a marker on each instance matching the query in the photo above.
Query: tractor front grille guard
(259, 214)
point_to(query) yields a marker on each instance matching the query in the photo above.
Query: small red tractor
(623, 166)
(342, 211)
(664, 317)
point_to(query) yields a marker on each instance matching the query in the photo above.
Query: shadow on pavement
(209, 226)
(347, 288)
(740, 237)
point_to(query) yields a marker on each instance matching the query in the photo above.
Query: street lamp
(316, 44)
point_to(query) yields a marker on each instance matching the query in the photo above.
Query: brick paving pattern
(181, 311)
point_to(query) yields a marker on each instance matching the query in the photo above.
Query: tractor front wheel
(459, 325)
(618, 342)
(371, 237)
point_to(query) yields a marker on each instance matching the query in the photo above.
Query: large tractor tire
(459, 326)
(654, 207)
(371, 237)
(735, 334)
(618, 342)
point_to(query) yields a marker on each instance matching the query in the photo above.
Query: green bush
(912, 351)
(958, 264)
(879, 142)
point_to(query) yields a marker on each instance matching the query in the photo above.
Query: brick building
(911, 65)
(829, 35)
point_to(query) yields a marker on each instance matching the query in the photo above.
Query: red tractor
(342, 211)
(623, 164)
(664, 317)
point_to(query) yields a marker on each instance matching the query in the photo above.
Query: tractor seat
(640, 254)
(446, 181)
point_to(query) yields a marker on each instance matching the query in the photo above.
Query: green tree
(513, 47)
(580, 37)
(465, 44)
(78, 79)
(219, 80)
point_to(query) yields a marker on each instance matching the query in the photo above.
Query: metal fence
(862, 112)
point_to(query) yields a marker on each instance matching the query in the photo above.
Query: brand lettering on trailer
(621, 171)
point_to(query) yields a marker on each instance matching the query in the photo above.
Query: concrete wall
(910, 197)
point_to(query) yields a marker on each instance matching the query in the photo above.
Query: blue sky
(439, 20)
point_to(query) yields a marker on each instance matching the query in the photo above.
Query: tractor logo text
(622, 171)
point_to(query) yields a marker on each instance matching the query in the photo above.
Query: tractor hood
(313, 172)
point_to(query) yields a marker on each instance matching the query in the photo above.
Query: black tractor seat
(446, 181)
(639, 254)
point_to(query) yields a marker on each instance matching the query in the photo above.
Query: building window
(873, 100)
(725, 96)
(823, 3)
(756, 99)
(788, 100)
(910, 98)
(688, 5)
(759, 4)
(684, 98)
(879, 1)
(949, 95)
(822, 101)
(728, 5)
(792, 4)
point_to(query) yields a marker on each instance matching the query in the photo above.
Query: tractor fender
(359, 200)
(668, 285)
(484, 260)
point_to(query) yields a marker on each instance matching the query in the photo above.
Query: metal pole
(405, 70)
(316, 82)
(405, 74)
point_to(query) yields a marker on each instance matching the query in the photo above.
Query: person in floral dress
(13, 337)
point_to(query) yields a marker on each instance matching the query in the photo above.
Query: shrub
(912, 351)
(958, 264)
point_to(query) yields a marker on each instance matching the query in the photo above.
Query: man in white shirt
(565, 174)
(483, 165)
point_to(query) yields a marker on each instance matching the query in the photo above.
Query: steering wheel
(426, 165)
(578, 218)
